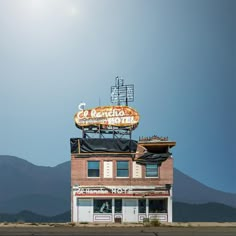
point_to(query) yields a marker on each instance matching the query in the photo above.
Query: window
(93, 168)
(122, 169)
(142, 206)
(102, 206)
(151, 170)
(158, 206)
(118, 205)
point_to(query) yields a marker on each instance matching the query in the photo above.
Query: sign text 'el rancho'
(105, 116)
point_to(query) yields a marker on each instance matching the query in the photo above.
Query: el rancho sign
(107, 116)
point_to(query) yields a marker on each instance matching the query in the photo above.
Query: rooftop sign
(107, 116)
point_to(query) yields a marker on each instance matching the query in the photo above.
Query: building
(121, 180)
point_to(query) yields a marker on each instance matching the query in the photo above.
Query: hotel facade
(119, 179)
(117, 187)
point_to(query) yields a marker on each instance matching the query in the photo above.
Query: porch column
(170, 207)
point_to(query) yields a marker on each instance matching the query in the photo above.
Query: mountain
(46, 190)
(182, 212)
(30, 217)
(24, 186)
(208, 212)
(189, 190)
(42, 204)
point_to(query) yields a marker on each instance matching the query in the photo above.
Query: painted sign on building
(107, 116)
(98, 191)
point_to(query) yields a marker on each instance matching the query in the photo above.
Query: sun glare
(73, 11)
(53, 7)
(36, 4)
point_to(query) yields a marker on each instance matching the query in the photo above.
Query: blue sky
(180, 55)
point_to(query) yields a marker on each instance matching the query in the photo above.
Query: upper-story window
(122, 169)
(93, 168)
(151, 170)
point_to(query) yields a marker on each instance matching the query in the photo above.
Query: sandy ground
(174, 224)
(175, 229)
(201, 224)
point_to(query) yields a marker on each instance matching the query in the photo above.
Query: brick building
(121, 180)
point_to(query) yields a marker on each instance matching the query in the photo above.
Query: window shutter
(108, 170)
(137, 170)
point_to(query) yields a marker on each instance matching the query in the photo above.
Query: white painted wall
(75, 210)
(170, 207)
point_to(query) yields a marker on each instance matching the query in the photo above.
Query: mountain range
(46, 190)
(42, 190)
(182, 212)
(189, 190)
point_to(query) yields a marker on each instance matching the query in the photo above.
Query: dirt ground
(69, 224)
(175, 229)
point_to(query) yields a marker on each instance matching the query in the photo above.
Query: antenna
(121, 93)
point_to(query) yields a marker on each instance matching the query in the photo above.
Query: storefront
(121, 204)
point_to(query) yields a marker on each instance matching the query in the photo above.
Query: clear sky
(179, 54)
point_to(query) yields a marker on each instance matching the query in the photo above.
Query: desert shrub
(155, 222)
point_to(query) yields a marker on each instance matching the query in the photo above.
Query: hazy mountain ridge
(46, 205)
(207, 212)
(189, 190)
(46, 190)
(20, 180)
(182, 212)
(30, 217)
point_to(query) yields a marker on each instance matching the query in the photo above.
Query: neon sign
(107, 116)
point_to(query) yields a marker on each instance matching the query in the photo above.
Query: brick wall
(79, 173)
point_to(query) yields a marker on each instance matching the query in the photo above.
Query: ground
(177, 229)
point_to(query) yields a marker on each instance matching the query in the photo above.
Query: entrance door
(85, 210)
(130, 210)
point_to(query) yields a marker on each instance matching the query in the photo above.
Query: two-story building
(121, 180)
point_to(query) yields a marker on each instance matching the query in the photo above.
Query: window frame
(140, 207)
(163, 202)
(156, 168)
(115, 207)
(93, 169)
(102, 206)
(128, 174)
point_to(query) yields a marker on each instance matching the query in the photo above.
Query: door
(85, 213)
(130, 210)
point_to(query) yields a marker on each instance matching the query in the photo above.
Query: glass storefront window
(102, 206)
(158, 206)
(142, 206)
(118, 205)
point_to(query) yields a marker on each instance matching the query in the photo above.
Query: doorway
(84, 207)
(130, 210)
